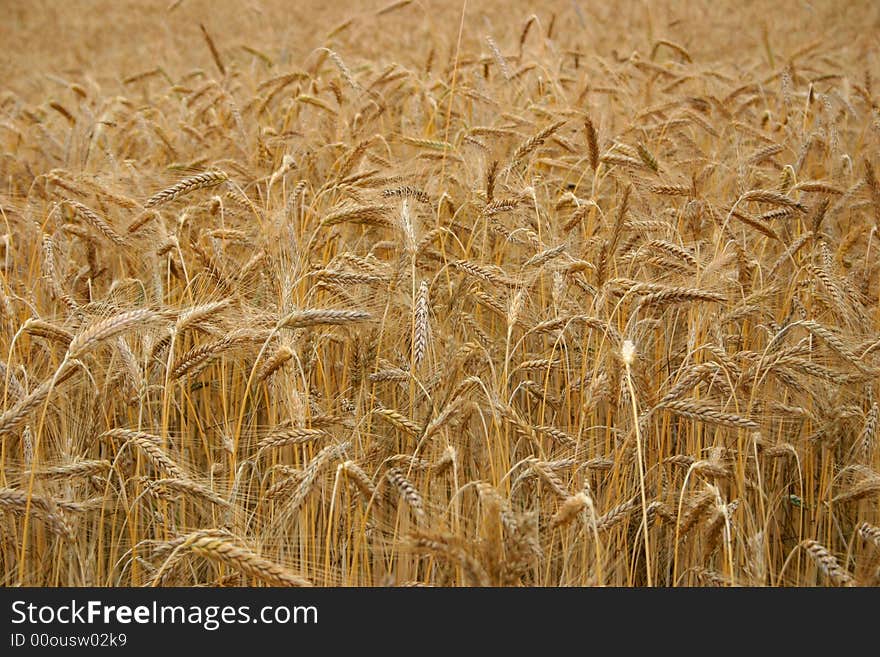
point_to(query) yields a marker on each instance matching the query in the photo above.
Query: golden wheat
(363, 300)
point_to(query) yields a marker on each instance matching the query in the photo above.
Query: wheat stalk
(187, 186)
(407, 491)
(220, 549)
(85, 468)
(827, 562)
(110, 327)
(290, 436)
(420, 324)
(313, 317)
(697, 410)
(149, 444)
(20, 503)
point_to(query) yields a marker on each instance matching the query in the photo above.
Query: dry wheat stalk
(678, 295)
(592, 142)
(492, 275)
(446, 545)
(51, 274)
(14, 417)
(274, 363)
(85, 468)
(617, 515)
(11, 385)
(613, 159)
(316, 316)
(551, 479)
(40, 328)
(874, 189)
(189, 487)
(215, 54)
(150, 445)
(790, 252)
(97, 222)
(197, 358)
(390, 374)
(569, 510)
(556, 434)
(498, 206)
(832, 340)
(282, 487)
(398, 420)
(870, 533)
(186, 186)
(407, 491)
(45, 510)
(765, 153)
(446, 415)
(109, 328)
(696, 511)
(420, 324)
(290, 436)
(827, 562)
(360, 479)
(771, 197)
(868, 487)
(310, 475)
(347, 278)
(711, 577)
(647, 157)
(407, 191)
(867, 438)
(221, 549)
(697, 410)
(464, 321)
(545, 256)
(193, 317)
(818, 186)
(529, 146)
(499, 58)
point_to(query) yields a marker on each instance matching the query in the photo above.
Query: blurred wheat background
(497, 294)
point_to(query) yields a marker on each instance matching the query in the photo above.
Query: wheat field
(440, 294)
